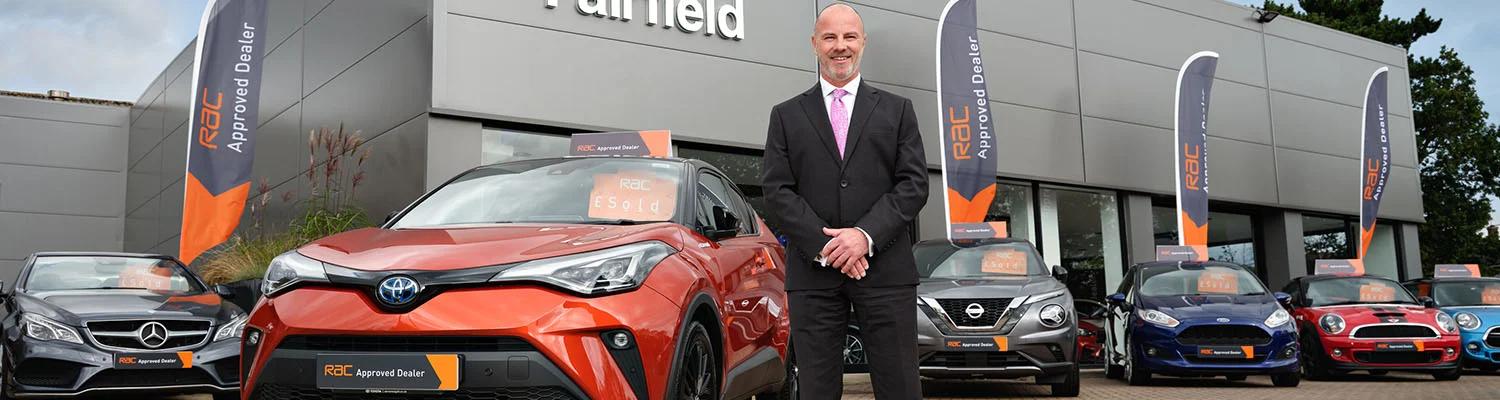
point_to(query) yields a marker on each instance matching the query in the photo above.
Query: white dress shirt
(853, 89)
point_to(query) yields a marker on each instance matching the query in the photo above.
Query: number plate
(1245, 352)
(181, 359)
(388, 373)
(983, 343)
(1397, 346)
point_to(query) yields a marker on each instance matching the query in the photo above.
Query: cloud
(92, 48)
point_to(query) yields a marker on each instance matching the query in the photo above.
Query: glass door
(1081, 232)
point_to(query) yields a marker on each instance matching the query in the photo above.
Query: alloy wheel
(854, 350)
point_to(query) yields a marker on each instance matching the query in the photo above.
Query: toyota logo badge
(974, 310)
(398, 290)
(153, 334)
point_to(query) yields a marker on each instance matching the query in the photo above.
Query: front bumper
(1477, 351)
(1362, 354)
(1026, 350)
(55, 369)
(1173, 357)
(519, 341)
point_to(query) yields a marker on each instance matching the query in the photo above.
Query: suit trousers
(886, 317)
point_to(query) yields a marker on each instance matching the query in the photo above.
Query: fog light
(1289, 352)
(1473, 346)
(1151, 352)
(620, 340)
(1338, 352)
(1449, 349)
(253, 338)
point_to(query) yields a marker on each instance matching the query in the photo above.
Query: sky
(112, 49)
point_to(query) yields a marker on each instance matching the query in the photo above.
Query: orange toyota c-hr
(563, 278)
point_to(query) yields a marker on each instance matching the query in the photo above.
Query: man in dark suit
(845, 176)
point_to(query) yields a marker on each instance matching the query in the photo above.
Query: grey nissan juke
(989, 309)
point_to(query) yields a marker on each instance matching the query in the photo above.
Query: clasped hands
(847, 251)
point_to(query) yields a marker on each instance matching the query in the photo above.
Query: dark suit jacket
(880, 186)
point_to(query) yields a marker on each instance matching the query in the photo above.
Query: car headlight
(232, 329)
(1446, 323)
(605, 271)
(1053, 316)
(1278, 318)
(41, 328)
(1159, 318)
(1045, 296)
(1467, 320)
(289, 269)
(1331, 323)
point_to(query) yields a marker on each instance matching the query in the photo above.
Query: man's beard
(836, 74)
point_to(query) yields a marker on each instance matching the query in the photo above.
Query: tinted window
(1469, 293)
(99, 272)
(1198, 280)
(720, 193)
(1356, 290)
(940, 260)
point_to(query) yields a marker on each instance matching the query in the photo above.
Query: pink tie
(838, 116)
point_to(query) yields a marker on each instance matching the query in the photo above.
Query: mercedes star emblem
(398, 290)
(974, 310)
(153, 334)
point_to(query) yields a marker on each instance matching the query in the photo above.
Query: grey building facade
(1083, 94)
(62, 176)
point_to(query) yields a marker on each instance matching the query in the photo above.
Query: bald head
(839, 42)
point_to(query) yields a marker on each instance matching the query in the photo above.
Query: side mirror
(1427, 302)
(1283, 298)
(1060, 273)
(726, 225)
(223, 291)
(391, 216)
(1115, 299)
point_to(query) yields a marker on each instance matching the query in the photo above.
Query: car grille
(287, 392)
(47, 372)
(974, 359)
(1224, 335)
(1493, 338)
(1393, 331)
(413, 344)
(228, 369)
(957, 311)
(148, 377)
(125, 334)
(1398, 357)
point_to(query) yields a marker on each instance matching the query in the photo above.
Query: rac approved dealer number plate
(181, 359)
(388, 373)
(1245, 352)
(978, 343)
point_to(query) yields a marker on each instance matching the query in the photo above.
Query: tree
(1456, 149)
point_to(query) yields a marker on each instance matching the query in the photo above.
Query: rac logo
(209, 118)
(127, 360)
(1372, 178)
(960, 133)
(1192, 167)
(337, 370)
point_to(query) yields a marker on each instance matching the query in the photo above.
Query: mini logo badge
(398, 290)
(153, 334)
(1223, 320)
(974, 310)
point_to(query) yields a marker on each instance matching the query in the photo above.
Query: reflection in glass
(498, 146)
(1013, 205)
(1081, 232)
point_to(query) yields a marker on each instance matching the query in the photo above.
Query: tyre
(697, 368)
(1286, 379)
(227, 396)
(1450, 375)
(1134, 375)
(1111, 370)
(1069, 387)
(1312, 360)
(1236, 378)
(1488, 367)
(789, 385)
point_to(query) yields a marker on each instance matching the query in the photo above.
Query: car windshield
(1467, 293)
(1356, 290)
(107, 272)
(1198, 280)
(573, 190)
(986, 261)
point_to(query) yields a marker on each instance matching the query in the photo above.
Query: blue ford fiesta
(1196, 319)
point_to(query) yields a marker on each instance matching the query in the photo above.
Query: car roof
(1329, 277)
(100, 254)
(970, 242)
(1187, 263)
(1462, 279)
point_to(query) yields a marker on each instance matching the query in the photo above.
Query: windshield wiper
(611, 222)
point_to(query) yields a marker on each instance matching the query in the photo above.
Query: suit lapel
(864, 106)
(817, 115)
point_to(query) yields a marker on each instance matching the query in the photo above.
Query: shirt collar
(852, 87)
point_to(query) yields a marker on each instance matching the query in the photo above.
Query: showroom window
(1383, 258)
(1080, 230)
(1231, 235)
(1013, 205)
(1326, 238)
(503, 145)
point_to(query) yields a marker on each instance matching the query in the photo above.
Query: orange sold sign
(633, 195)
(1004, 262)
(1218, 282)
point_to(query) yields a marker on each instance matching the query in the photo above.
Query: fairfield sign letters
(725, 18)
